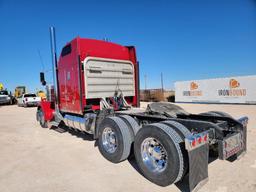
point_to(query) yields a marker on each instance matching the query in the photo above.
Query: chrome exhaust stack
(54, 67)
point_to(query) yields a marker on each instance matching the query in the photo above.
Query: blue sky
(183, 39)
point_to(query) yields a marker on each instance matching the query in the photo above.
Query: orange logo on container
(232, 91)
(233, 83)
(193, 86)
(193, 90)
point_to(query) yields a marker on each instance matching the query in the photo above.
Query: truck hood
(4, 96)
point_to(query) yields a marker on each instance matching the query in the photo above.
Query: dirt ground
(33, 159)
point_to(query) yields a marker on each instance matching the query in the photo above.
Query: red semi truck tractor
(96, 90)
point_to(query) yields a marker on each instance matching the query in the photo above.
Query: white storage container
(222, 90)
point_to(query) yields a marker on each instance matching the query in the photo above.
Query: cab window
(66, 50)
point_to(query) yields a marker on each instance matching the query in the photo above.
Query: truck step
(59, 129)
(54, 124)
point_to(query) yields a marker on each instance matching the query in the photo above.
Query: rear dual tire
(132, 124)
(172, 153)
(115, 139)
(169, 163)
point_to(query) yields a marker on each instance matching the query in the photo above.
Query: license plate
(232, 145)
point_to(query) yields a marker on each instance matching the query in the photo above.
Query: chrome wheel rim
(154, 155)
(109, 140)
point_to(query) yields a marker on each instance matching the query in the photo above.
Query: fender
(48, 110)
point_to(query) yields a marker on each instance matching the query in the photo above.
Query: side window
(66, 50)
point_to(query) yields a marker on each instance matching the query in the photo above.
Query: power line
(41, 60)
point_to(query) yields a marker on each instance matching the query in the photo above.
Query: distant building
(156, 95)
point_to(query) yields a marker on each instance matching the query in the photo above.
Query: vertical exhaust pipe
(54, 67)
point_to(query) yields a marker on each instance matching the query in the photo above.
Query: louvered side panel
(103, 78)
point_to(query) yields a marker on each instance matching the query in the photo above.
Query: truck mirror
(42, 79)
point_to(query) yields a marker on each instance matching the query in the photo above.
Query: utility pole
(162, 82)
(145, 79)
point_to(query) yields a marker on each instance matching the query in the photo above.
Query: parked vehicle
(6, 98)
(29, 99)
(96, 90)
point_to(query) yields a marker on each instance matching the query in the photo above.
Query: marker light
(194, 143)
(199, 140)
(205, 138)
(196, 140)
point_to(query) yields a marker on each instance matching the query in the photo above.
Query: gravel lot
(33, 159)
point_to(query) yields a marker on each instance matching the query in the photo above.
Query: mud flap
(244, 122)
(198, 167)
(244, 136)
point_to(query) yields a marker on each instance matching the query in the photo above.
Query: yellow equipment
(19, 91)
(1, 86)
(41, 94)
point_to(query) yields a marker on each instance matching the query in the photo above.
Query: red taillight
(205, 138)
(199, 140)
(196, 140)
(194, 143)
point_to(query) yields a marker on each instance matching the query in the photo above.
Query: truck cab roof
(95, 48)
